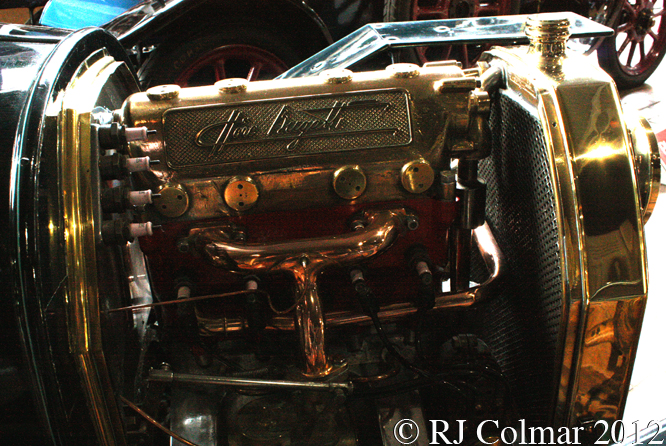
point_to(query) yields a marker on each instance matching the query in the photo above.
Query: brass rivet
(173, 200)
(163, 92)
(337, 76)
(241, 193)
(232, 85)
(417, 176)
(349, 182)
(403, 70)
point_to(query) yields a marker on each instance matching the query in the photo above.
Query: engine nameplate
(220, 134)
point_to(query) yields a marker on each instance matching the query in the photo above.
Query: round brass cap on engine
(163, 92)
(241, 193)
(417, 176)
(173, 200)
(349, 182)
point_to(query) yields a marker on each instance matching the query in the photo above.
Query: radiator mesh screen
(522, 323)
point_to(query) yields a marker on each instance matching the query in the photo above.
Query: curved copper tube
(304, 259)
(492, 257)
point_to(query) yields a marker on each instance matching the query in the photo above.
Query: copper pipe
(304, 259)
(154, 422)
(492, 257)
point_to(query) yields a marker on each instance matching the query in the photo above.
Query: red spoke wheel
(402, 10)
(638, 46)
(250, 51)
(235, 60)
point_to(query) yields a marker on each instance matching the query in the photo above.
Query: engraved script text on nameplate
(272, 129)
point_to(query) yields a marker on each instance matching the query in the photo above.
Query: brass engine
(319, 258)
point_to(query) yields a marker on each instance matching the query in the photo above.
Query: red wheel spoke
(629, 8)
(447, 54)
(253, 75)
(623, 46)
(659, 14)
(641, 47)
(465, 57)
(624, 28)
(632, 50)
(219, 70)
(430, 13)
(653, 35)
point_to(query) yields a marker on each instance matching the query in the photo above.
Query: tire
(407, 10)
(251, 51)
(621, 56)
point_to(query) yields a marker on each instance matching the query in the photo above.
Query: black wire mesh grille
(522, 323)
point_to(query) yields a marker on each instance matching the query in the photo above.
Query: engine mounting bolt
(163, 92)
(183, 245)
(232, 85)
(184, 292)
(337, 76)
(239, 236)
(412, 222)
(357, 224)
(403, 70)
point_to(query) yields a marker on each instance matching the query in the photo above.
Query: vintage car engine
(312, 261)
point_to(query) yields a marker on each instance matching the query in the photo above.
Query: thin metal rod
(154, 422)
(183, 301)
(170, 377)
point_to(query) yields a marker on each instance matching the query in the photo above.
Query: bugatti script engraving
(274, 129)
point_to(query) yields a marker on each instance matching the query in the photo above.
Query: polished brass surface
(548, 34)
(600, 221)
(647, 162)
(490, 253)
(337, 76)
(241, 193)
(173, 200)
(349, 182)
(417, 176)
(404, 70)
(163, 92)
(304, 260)
(291, 136)
(232, 85)
(82, 306)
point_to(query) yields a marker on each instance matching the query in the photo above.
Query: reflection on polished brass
(241, 193)
(377, 122)
(82, 303)
(173, 200)
(490, 253)
(417, 176)
(601, 230)
(404, 70)
(337, 76)
(548, 34)
(647, 162)
(232, 85)
(163, 92)
(304, 260)
(349, 182)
